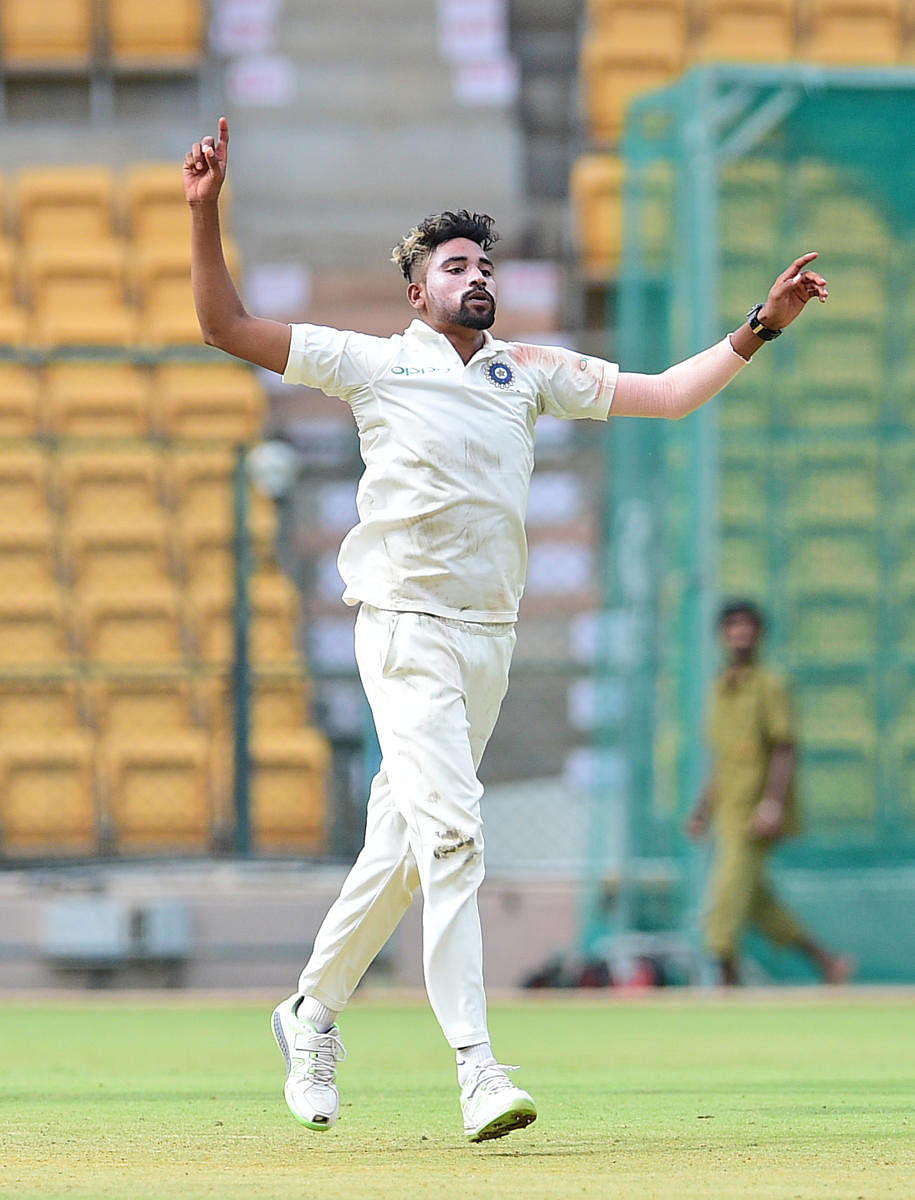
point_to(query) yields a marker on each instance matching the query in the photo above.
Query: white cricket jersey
(448, 451)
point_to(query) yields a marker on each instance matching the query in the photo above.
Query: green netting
(797, 486)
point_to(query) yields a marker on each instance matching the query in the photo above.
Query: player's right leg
(311, 1065)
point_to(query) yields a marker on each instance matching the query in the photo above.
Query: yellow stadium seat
(131, 629)
(53, 34)
(272, 631)
(751, 199)
(838, 786)
(736, 32)
(64, 206)
(838, 561)
(832, 630)
(28, 560)
(9, 256)
(34, 631)
(116, 486)
(612, 78)
(163, 284)
(842, 226)
(634, 24)
(167, 34)
(743, 564)
(20, 399)
(78, 295)
(156, 209)
(209, 400)
(596, 188)
(97, 399)
(162, 281)
(157, 791)
(14, 325)
(840, 400)
(47, 795)
(200, 484)
(279, 702)
(743, 489)
(901, 391)
(118, 558)
(13, 317)
(839, 714)
(288, 791)
(849, 32)
(842, 353)
(832, 485)
(124, 705)
(207, 556)
(39, 706)
(25, 481)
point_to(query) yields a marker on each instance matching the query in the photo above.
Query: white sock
(314, 1011)
(469, 1057)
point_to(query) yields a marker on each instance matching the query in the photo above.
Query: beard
(468, 319)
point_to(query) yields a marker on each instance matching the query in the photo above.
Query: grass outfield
(676, 1097)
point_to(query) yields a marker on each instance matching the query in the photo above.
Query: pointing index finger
(799, 263)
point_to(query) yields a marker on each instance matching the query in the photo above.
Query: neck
(466, 341)
(742, 658)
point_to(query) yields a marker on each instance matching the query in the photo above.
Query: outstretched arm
(689, 384)
(223, 318)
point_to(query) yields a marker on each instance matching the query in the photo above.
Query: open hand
(205, 166)
(767, 819)
(791, 291)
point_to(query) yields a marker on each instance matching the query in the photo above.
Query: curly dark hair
(739, 606)
(414, 248)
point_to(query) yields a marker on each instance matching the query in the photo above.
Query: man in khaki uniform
(749, 800)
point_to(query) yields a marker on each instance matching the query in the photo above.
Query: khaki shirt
(749, 713)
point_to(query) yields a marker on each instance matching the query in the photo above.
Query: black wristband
(757, 327)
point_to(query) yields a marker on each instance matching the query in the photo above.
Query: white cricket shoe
(492, 1105)
(311, 1066)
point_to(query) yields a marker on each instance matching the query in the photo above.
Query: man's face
(458, 287)
(740, 634)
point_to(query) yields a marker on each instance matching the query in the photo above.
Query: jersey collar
(425, 333)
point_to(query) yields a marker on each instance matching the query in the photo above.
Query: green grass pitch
(679, 1096)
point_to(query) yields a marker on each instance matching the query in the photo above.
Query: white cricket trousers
(435, 687)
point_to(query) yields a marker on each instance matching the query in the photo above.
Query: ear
(416, 295)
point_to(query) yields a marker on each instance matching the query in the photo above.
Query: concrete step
(398, 31)
(382, 93)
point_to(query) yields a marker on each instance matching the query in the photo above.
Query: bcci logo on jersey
(500, 374)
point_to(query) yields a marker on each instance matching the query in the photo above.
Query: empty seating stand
(118, 456)
(80, 36)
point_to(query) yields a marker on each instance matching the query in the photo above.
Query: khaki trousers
(740, 895)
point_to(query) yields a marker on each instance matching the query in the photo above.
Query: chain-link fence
(794, 488)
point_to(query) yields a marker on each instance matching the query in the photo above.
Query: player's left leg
(453, 678)
(778, 923)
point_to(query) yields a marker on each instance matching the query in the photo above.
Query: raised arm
(687, 385)
(224, 321)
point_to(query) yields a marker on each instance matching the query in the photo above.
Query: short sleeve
(779, 710)
(338, 362)
(574, 385)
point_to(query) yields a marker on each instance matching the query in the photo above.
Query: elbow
(214, 335)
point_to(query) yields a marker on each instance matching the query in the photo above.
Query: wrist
(208, 206)
(761, 324)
